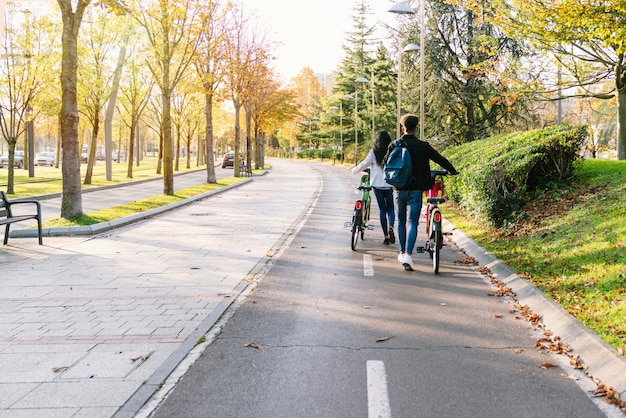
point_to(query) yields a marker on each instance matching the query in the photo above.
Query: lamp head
(401, 9)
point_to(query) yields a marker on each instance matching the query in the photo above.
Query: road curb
(603, 361)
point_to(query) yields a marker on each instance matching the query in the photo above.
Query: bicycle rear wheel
(356, 226)
(437, 244)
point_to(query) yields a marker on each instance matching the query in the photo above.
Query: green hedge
(314, 153)
(499, 174)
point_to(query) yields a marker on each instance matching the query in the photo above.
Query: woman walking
(382, 190)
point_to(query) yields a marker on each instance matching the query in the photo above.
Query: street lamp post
(356, 118)
(335, 108)
(404, 9)
(373, 107)
(347, 96)
(409, 47)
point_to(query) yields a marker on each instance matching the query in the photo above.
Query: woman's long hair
(380, 146)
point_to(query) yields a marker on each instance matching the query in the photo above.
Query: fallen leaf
(143, 357)
(546, 365)
(380, 340)
(254, 345)
(519, 350)
(379, 258)
(467, 260)
(576, 363)
(495, 315)
(59, 369)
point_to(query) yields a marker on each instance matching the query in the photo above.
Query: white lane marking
(368, 265)
(377, 394)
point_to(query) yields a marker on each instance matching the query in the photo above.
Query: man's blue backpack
(398, 167)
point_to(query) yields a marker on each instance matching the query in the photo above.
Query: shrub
(315, 153)
(498, 173)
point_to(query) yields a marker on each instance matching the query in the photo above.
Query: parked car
(18, 160)
(229, 160)
(45, 158)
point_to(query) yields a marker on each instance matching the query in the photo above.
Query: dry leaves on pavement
(254, 345)
(380, 340)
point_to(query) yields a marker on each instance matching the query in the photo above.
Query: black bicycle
(361, 212)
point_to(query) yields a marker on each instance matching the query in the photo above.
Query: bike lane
(332, 332)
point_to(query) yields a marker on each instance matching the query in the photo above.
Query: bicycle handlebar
(435, 173)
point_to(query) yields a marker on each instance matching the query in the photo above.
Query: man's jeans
(408, 208)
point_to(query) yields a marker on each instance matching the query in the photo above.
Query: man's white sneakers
(406, 261)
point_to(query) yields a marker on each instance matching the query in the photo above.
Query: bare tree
(173, 46)
(97, 71)
(135, 95)
(209, 64)
(25, 71)
(71, 201)
(246, 49)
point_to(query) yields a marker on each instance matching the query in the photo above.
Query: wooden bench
(7, 217)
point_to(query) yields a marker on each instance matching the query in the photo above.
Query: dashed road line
(368, 265)
(377, 394)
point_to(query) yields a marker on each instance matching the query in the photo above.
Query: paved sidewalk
(88, 324)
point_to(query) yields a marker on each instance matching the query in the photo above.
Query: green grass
(572, 247)
(48, 179)
(138, 206)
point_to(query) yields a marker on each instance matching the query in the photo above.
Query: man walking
(408, 201)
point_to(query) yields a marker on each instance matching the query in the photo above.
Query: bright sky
(310, 33)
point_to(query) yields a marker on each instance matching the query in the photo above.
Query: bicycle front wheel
(366, 218)
(437, 244)
(356, 226)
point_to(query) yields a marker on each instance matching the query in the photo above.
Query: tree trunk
(177, 153)
(108, 119)
(91, 156)
(237, 105)
(621, 126)
(166, 129)
(201, 155)
(248, 139)
(131, 147)
(71, 200)
(188, 151)
(11, 167)
(210, 159)
(160, 152)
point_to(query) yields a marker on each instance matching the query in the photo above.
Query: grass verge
(49, 179)
(138, 206)
(572, 246)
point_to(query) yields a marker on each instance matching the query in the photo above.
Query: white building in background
(327, 80)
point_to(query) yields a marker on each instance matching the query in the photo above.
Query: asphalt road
(330, 332)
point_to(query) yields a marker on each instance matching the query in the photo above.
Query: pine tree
(365, 57)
